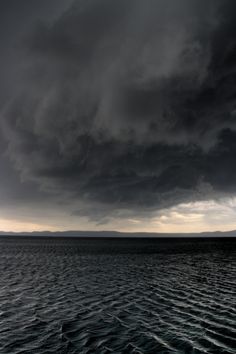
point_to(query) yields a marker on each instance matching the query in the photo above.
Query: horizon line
(2, 232)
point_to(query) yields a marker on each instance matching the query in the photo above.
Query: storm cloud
(126, 105)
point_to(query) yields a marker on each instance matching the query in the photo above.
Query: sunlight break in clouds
(198, 216)
(186, 217)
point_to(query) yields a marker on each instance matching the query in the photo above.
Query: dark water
(103, 296)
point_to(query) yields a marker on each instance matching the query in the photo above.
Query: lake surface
(117, 296)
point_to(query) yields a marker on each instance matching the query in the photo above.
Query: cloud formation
(127, 105)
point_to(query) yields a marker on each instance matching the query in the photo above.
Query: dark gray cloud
(126, 105)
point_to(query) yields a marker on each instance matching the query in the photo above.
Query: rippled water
(103, 296)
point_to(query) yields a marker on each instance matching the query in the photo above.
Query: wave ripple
(61, 297)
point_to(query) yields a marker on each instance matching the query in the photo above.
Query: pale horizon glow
(184, 218)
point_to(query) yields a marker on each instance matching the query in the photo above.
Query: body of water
(117, 296)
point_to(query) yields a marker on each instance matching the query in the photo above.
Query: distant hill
(117, 234)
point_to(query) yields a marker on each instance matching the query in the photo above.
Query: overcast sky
(118, 114)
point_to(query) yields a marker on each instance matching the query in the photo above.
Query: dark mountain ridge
(116, 234)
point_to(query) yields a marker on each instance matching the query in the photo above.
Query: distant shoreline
(118, 234)
(117, 238)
